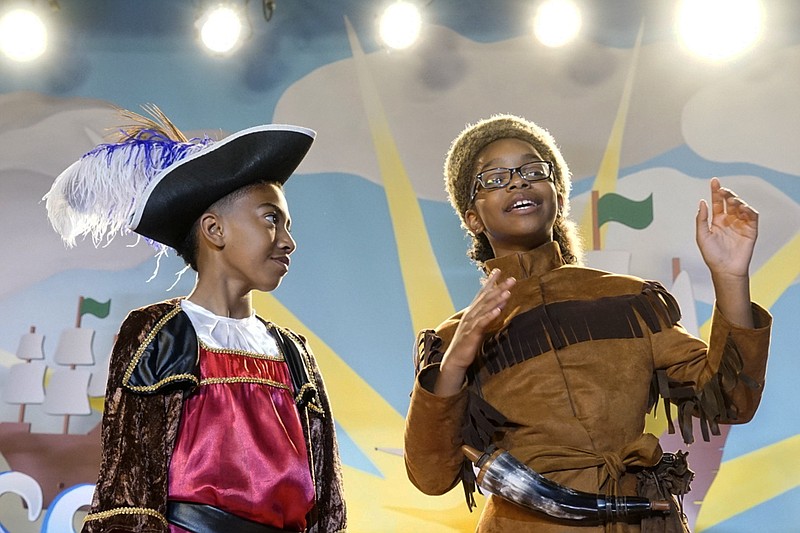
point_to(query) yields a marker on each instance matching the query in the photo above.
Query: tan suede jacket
(571, 363)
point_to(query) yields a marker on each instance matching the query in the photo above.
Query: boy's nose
(288, 243)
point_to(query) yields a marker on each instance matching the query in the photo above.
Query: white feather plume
(96, 195)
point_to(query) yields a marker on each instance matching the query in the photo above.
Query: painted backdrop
(380, 253)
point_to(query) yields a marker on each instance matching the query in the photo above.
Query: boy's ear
(211, 229)
(474, 222)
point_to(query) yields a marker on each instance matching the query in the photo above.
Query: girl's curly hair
(459, 170)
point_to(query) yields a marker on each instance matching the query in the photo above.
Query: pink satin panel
(241, 446)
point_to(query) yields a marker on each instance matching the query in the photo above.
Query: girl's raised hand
(726, 239)
(468, 338)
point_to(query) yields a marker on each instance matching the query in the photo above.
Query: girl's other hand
(468, 338)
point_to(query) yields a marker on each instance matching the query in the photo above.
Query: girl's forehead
(504, 149)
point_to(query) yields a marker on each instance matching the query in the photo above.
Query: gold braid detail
(244, 353)
(304, 355)
(156, 386)
(240, 379)
(126, 510)
(316, 408)
(147, 340)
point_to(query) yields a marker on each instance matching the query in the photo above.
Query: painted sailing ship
(55, 460)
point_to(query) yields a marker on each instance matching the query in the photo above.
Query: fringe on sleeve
(712, 404)
(482, 421)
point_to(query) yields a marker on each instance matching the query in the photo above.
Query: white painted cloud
(39, 137)
(430, 92)
(752, 114)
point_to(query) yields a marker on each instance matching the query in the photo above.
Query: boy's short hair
(188, 248)
(460, 170)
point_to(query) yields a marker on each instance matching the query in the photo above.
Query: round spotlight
(719, 29)
(23, 35)
(556, 22)
(400, 25)
(221, 29)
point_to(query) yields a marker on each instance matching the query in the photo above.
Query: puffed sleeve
(137, 434)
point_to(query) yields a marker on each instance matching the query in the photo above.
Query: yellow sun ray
(773, 278)
(766, 472)
(389, 502)
(767, 285)
(428, 298)
(608, 172)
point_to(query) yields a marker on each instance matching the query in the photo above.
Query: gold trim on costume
(306, 363)
(304, 388)
(245, 353)
(241, 379)
(142, 347)
(126, 510)
(315, 407)
(156, 386)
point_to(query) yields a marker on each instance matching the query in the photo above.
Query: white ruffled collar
(248, 334)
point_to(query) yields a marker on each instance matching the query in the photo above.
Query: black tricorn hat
(178, 195)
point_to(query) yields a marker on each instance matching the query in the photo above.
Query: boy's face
(255, 234)
(520, 216)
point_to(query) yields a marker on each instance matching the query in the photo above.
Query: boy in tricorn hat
(558, 364)
(215, 420)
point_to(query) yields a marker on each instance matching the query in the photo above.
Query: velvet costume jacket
(575, 361)
(154, 366)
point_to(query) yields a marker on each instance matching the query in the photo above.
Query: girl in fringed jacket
(557, 364)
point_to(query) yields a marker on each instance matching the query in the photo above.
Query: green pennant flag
(612, 207)
(93, 307)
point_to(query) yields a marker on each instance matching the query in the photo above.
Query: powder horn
(503, 475)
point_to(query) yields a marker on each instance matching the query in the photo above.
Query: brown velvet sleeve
(433, 435)
(138, 433)
(330, 512)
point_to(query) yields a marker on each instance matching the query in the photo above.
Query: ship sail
(75, 347)
(25, 383)
(31, 346)
(67, 393)
(682, 291)
(68, 390)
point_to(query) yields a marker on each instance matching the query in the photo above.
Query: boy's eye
(272, 217)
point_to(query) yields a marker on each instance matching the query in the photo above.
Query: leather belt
(201, 518)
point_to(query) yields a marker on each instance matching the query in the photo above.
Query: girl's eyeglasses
(497, 178)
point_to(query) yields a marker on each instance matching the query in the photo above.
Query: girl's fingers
(490, 301)
(491, 278)
(491, 285)
(497, 295)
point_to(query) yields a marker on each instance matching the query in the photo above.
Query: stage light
(719, 29)
(222, 28)
(23, 35)
(400, 25)
(556, 22)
